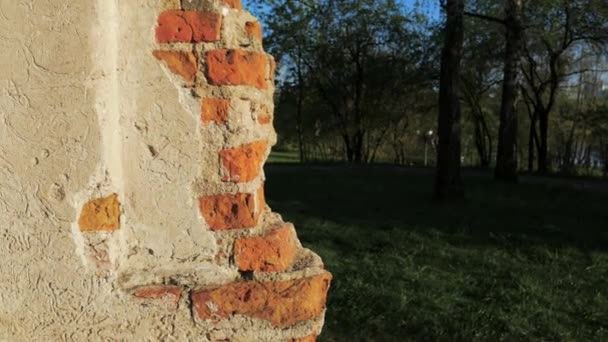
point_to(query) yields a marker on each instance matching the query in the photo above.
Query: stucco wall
(87, 111)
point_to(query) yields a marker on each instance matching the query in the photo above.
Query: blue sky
(429, 7)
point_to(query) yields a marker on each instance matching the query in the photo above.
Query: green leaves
(355, 61)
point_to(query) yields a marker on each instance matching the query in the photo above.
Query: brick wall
(275, 290)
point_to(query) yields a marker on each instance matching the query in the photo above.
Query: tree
(480, 77)
(349, 62)
(506, 158)
(555, 30)
(357, 42)
(448, 181)
(288, 41)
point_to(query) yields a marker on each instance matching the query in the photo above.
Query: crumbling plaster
(85, 111)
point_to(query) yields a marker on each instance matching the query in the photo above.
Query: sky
(429, 7)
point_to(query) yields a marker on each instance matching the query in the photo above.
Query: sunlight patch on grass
(283, 157)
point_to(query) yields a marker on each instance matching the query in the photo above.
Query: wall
(132, 141)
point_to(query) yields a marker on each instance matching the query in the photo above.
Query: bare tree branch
(485, 17)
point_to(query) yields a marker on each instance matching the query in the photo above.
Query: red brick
(237, 67)
(206, 26)
(273, 252)
(254, 30)
(234, 4)
(215, 110)
(273, 68)
(265, 119)
(172, 27)
(188, 26)
(164, 292)
(261, 198)
(311, 338)
(181, 63)
(282, 303)
(264, 115)
(232, 211)
(102, 214)
(243, 164)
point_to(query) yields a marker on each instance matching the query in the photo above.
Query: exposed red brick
(232, 211)
(237, 67)
(264, 115)
(265, 119)
(234, 4)
(273, 68)
(243, 164)
(273, 252)
(206, 26)
(181, 63)
(254, 29)
(102, 214)
(168, 292)
(282, 303)
(261, 199)
(215, 110)
(172, 27)
(188, 26)
(311, 338)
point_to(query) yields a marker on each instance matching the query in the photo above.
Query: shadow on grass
(514, 262)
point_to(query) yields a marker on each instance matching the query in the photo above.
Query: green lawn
(513, 263)
(284, 157)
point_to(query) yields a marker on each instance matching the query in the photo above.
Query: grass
(522, 262)
(283, 157)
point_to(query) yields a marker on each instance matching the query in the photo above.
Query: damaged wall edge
(155, 223)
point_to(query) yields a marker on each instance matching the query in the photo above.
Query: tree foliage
(359, 79)
(353, 65)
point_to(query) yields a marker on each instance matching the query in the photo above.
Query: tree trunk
(480, 145)
(532, 143)
(358, 147)
(299, 114)
(482, 135)
(488, 137)
(531, 149)
(348, 147)
(543, 117)
(448, 181)
(571, 151)
(604, 155)
(506, 158)
(543, 151)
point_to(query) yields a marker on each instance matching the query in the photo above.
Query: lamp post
(428, 137)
